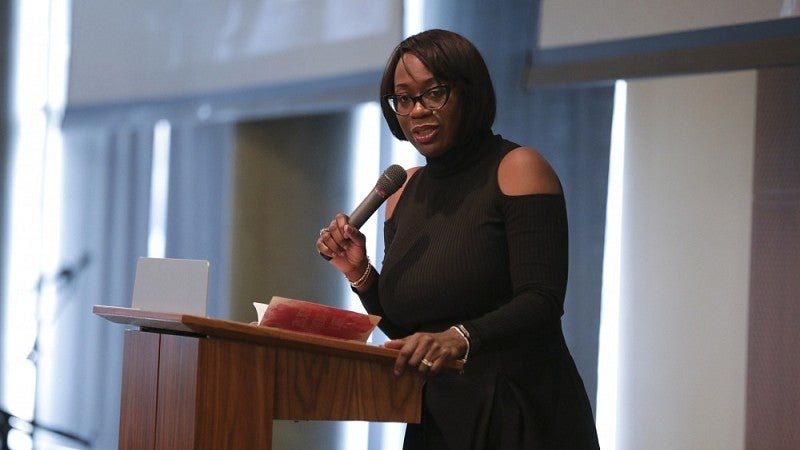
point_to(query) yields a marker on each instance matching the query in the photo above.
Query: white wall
(685, 262)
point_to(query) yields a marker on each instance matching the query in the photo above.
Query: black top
(458, 250)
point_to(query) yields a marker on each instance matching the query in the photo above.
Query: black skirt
(507, 399)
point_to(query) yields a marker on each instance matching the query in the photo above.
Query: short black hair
(453, 60)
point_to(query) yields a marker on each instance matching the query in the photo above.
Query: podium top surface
(261, 335)
(227, 329)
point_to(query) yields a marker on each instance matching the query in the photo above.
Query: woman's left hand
(427, 352)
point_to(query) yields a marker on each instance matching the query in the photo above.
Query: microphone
(388, 183)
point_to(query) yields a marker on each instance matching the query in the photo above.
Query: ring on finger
(427, 363)
(322, 231)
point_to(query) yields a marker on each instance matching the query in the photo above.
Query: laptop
(171, 285)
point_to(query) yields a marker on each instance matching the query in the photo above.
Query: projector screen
(578, 22)
(135, 50)
(590, 42)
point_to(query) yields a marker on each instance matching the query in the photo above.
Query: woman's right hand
(345, 246)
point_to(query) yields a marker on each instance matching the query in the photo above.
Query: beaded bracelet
(360, 282)
(465, 334)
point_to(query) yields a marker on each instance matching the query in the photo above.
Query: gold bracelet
(361, 281)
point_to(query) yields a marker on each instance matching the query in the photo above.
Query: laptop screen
(171, 285)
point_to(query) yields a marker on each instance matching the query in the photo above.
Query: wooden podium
(198, 383)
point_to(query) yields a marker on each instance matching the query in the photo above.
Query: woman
(475, 264)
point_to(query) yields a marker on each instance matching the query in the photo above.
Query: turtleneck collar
(459, 156)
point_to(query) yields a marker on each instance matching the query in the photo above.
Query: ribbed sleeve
(536, 226)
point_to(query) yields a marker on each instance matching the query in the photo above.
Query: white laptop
(171, 285)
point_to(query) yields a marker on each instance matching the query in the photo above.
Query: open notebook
(171, 285)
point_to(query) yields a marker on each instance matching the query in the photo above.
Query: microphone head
(390, 180)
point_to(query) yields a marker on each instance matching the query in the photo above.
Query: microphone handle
(365, 209)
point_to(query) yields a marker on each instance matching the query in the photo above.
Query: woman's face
(431, 132)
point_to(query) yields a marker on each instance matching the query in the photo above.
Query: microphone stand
(64, 277)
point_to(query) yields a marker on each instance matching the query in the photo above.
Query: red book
(308, 317)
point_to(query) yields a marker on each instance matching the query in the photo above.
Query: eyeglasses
(433, 99)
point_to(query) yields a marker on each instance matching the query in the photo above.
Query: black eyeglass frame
(391, 99)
